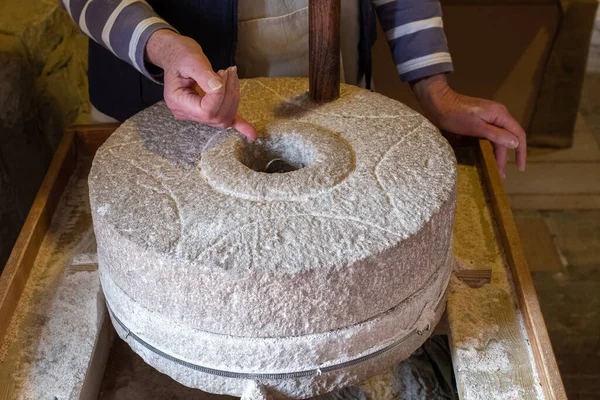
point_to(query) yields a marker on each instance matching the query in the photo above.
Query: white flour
(492, 359)
(66, 341)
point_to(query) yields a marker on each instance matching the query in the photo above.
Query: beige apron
(273, 38)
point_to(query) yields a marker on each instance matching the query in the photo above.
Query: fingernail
(513, 143)
(522, 169)
(215, 84)
(234, 68)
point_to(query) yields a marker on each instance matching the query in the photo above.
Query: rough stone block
(226, 277)
(43, 89)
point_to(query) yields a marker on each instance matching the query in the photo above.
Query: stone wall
(43, 89)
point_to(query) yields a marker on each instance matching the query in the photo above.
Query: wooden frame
(85, 140)
(543, 354)
(19, 264)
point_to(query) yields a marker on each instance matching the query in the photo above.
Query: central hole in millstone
(279, 153)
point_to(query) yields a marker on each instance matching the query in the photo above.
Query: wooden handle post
(324, 49)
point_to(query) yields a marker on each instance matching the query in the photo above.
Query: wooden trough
(492, 303)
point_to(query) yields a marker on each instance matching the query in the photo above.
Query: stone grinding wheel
(222, 276)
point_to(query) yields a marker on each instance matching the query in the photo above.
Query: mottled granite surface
(347, 253)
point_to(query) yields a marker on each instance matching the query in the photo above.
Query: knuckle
(490, 135)
(499, 108)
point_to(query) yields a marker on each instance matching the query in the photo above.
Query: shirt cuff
(426, 71)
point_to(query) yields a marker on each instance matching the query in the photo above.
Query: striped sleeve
(415, 33)
(121, 26)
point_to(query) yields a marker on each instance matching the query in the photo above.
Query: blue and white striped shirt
(413, 28)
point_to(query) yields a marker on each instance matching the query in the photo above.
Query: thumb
(200, 70)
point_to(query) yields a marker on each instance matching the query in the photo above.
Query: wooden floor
(556, 203)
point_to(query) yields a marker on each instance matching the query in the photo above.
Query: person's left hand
(471, 116)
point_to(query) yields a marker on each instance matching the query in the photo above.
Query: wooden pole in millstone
(324, 49)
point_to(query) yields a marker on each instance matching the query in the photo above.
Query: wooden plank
(491, 354)
(493, 360)
(540, 251)
(92, 382)
(90, 137)
(553, 177)
(18, 267)
(553, 201)
(83, 262)
(543, 354)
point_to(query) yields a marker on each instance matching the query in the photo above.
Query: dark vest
(119, 90)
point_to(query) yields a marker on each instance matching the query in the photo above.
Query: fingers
(189, 98)
(506, 121)
(239, 123)
(471, 116)
(243, 127)
(500, 152)
(184, 102)
(501, 117)
(498, 136)
(212, 84)
(200, 70)
(231, 100)
(235, 103)
(521, 156)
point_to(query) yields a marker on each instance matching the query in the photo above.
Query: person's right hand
(193, 91)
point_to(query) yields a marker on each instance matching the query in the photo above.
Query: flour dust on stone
(224, 276)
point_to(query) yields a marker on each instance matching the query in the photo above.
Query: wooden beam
(558, 98)
(543, 354)
(19, 265)
(324, 49)
(90, 137)
(490, 350)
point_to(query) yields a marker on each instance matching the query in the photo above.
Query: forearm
(414, 31)
(159, 47)
(123, 27)
(429, 91)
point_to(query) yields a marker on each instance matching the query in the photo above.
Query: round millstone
(310, 259)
